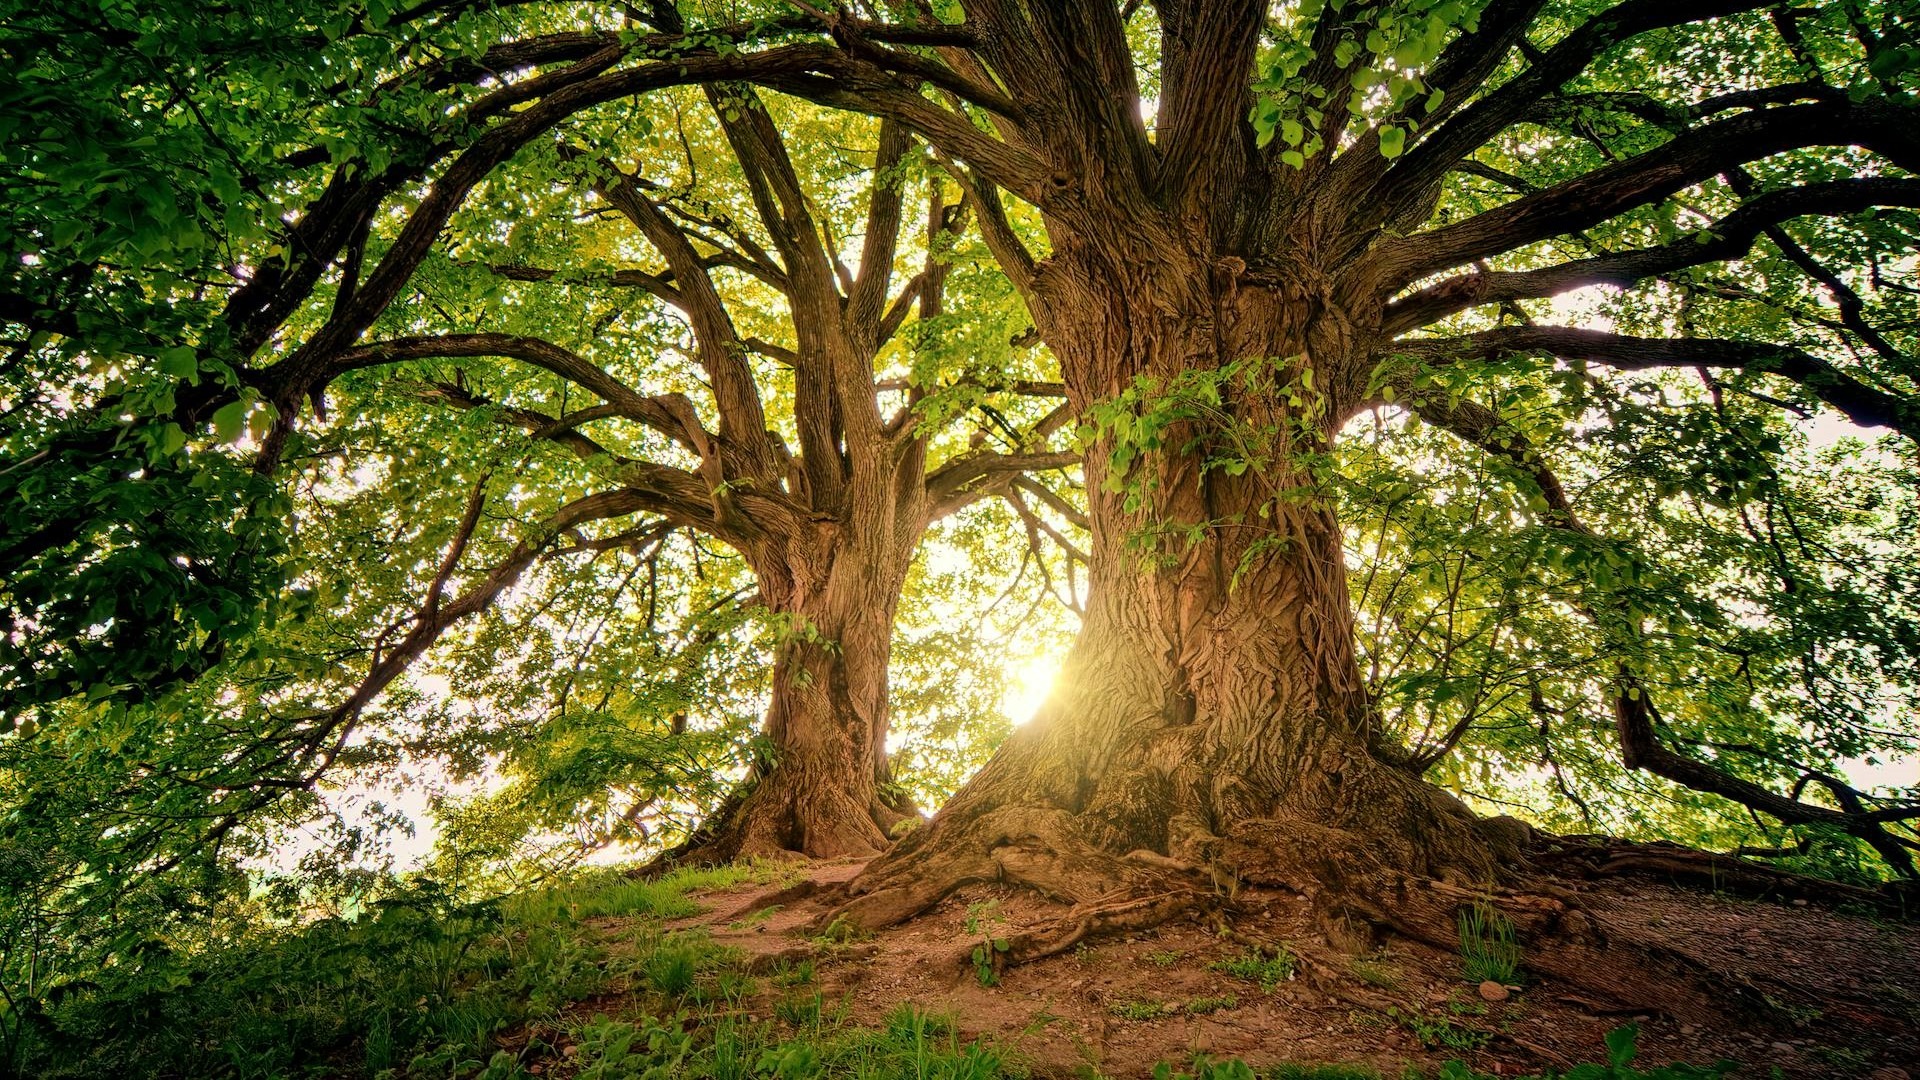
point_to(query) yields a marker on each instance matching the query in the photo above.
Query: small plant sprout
(984, 922)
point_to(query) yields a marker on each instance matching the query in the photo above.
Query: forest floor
(1809, 990)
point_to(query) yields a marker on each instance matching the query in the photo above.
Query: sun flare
(1030, 680)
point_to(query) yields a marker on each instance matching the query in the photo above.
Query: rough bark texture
(1211, 723)
(827, 720)
(1211, 726)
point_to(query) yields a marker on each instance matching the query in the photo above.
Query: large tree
(1265, 220)
(1238, 227)
(819, 443)
(828, 525)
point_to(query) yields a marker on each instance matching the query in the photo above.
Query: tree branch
(1687, 159)
(1480, 122)
(971, 477)
(1863, 404)
(1636, 719)
(1728, 238)
(672, 415)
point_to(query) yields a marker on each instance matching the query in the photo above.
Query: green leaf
(1620, 1045)
(1393, 141)
(230, 420)
(180, 362)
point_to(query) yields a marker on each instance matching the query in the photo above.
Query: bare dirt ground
(1809, 989)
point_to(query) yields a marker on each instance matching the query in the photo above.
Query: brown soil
(1815, 991)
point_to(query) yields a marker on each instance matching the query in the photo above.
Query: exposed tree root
(1357, 897)
(1086, 921)
(776, 817)
(1036, 848)
(1600, 856)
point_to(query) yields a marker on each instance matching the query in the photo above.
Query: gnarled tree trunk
(821, 792)
(1211, 720)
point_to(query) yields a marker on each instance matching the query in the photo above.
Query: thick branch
(1687, 159)
(681, 497)
(1482, 121)
(671, 415)
(1863, 404)
(1728, 238)
(971, 477)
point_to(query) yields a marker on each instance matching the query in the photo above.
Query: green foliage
(1387, 51)
(419, 979)
(1489, 949)
(1465, 588)
(1254, 965)
(1439, 1032)
(983, 924)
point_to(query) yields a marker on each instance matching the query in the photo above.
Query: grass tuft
(1489, 947)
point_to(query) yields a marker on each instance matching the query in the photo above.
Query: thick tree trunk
(820, 791)
(1211, 721)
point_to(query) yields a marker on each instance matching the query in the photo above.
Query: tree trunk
(820, 792)
(1211, 720)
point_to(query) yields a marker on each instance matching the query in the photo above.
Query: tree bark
(821, 792)
(1211, 722)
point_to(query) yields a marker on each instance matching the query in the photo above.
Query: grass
(1147, 1009)
(1138, 1009)
(800, 974)
(1489, 948)
(1440, 1032)
(757, 918)
(424, 986)
(1255, 966)
(672, 967)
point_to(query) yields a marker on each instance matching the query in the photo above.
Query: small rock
(1889, 1072)
(1785, 1047)
(1688, 1029)
(569, 1051)
(1493, 991)
(1799, 903)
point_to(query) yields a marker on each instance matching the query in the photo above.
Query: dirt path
(1815, 992)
